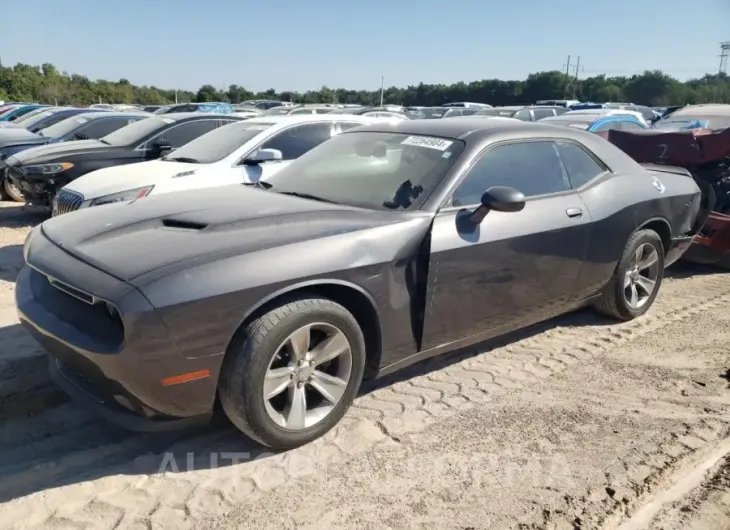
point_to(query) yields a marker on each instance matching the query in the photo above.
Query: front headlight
(48, 169)
(26, 244)
(122, 196)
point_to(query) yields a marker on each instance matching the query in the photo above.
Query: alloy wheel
(641, 276)
(307, 376)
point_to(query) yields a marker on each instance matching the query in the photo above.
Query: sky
(302, 45)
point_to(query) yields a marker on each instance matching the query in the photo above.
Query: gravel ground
(577, 423)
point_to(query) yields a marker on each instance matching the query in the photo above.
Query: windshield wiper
(306, 196)
(259, 184)
(104, 141)
(182, 159)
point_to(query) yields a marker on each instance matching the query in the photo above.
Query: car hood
(18, 136)
(129, 176)
(51, 152)
(189, 228)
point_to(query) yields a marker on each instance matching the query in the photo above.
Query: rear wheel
(291, 374)
(637, 278)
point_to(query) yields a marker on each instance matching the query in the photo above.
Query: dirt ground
(574, 424)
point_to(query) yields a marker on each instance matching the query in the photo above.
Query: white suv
(242, 152)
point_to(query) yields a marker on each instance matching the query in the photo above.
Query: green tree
(46, 84)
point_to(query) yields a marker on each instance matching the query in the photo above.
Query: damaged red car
(696, 138)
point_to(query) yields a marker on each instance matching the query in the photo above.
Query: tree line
(46, 84)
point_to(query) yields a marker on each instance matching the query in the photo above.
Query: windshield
(34, 116)
(278, 111)
(7, 110)
(137, 131)
(430, 114)
(693, 122)
(373, 170)
(62, 128)
(218, 143)
(505, 113)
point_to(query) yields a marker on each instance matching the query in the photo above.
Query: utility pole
(722, 71)
(382, 85)
(568, 80)
(575, 83)
(724, 53)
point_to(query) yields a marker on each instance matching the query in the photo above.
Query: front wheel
(291, 374)
(11, 191)
(637, 278)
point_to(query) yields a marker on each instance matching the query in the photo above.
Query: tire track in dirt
(436, 390)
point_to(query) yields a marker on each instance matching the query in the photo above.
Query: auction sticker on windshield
(428, 141)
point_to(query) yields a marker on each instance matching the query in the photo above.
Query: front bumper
(38, 190)
(115, 365)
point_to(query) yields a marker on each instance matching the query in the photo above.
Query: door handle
(574, 212)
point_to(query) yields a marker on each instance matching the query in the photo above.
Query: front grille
(66, 202)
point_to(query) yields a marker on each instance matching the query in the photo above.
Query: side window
(181, 134)
(295, 141)
(542, 113)
(581, 167)
(100, 128)
(468, 112)
(523, 115)
(534, 168)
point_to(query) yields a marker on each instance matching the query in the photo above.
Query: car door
(610, 223)
(513, 267)
(293, 142)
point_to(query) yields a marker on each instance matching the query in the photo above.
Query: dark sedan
(383, 246)
(39, 173)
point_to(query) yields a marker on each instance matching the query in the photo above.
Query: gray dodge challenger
(385, 245)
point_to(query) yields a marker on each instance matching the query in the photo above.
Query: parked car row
(372, 244)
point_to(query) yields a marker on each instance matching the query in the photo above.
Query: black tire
(613, 302)
(724, 262)
(241, 382)
(11, 191)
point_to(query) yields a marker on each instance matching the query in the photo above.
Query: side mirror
(499, 199)
(263, 155)
(159, 147)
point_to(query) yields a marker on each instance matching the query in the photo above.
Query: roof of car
(105, 114)
(586, 117)
(304, 118)
(451, 127)
(703, 110)
(186, 115)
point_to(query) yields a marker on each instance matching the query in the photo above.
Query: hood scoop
(181, 224)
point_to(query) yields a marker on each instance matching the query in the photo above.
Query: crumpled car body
(704, 152)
